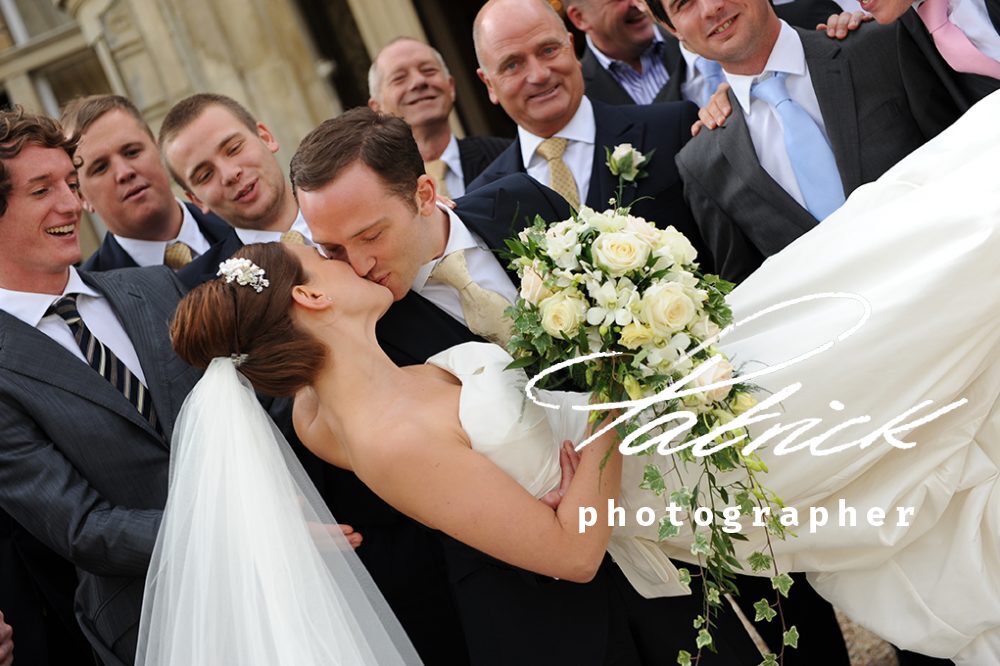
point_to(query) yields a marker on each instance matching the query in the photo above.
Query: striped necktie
(104, 361)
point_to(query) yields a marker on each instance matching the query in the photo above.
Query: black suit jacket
(217, 232)
(742, 213)
(80, 469)
(917, 50)
(658, 197)
(476, 153)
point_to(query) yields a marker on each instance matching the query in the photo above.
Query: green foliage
(782, 583)
(763, 611)
(791, 637)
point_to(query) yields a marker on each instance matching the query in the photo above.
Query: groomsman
(86, 443)
(527, 62)
(410, 79)
(124, 182)
(812, 119)
(360, 181)
(224, 161)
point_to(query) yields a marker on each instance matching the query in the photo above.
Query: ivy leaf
(791, 637)
(769, 660)
(744, 502)
(684, 576)
(713, 596)
(684, 658)
(700, 546)
(764, 611)
(667, 529)
(682, 497)
(652, 479)
(758, 561)
(782, 583)
(704, 639)
(699, 622)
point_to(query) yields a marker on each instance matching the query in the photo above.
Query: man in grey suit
(756, 184)
(89, 388)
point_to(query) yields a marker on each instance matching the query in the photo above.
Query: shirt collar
(459, 238)
(150, 253)
(581, 127)
(30, 307)
(786, 56)
(248, 236)
(451, 156)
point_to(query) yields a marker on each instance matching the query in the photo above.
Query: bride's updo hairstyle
(226, 319)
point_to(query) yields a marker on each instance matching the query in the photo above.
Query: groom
(361, 185)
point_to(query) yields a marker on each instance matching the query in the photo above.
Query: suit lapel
(612, 128)
(415, 329)
(26, 351)
(146, 333)
(831, 79)
(736, 144)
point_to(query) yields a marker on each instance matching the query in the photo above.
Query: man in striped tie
(89, 390)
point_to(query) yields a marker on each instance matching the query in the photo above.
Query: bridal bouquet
(608, 281)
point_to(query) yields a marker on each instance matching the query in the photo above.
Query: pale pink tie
(960, 53)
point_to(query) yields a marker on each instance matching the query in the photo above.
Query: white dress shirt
(581, 131)
(94, 309)
(764, 124)
(454, 177)
(971, 17)
(484, 267)
(150, 253)
(249, 236)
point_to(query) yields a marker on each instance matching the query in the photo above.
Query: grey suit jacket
(742, 214)
(79, 467)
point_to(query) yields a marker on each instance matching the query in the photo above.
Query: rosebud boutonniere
(626, 162)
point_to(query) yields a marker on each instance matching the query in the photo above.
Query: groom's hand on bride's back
(353, 538)
(569, 460)
(6, 643)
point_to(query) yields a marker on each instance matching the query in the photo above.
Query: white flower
(704, 328)
(667, 309)
(620, 252)
(640, 228)
(625, 161)
(533, 288)
(635, 335)
(604, 221)
(678, 246)
(721, 371)
(614, 303)
(562, 314)
(244, 272)
(562, 244)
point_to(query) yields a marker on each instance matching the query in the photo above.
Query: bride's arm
(451, 488)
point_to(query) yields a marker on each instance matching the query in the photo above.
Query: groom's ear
(310, 298)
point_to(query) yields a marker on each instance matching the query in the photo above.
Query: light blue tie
(712, 71)
(811, 157)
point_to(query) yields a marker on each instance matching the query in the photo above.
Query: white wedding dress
(921, 246)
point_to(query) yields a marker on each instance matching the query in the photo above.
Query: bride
(454, 444)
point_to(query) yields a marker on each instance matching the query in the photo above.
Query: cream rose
(720, 372)
(533, 288)
(562, 314)
(625, 161)
(667, 308)
(742, 402)
(677, 245)
(635, 335)
(619, 253)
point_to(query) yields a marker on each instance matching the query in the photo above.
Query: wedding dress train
(918, 247)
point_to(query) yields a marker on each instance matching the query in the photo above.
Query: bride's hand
(569, 460)
(353, 538)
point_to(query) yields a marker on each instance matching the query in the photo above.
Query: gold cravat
(483, 309)
(293, 238)
(436, 169)
(560, 177)
(177, 255)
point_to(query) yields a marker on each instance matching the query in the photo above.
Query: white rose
(722, 371)
(533, 288)
(678, 246)
(635, 335)
(667, 308)
(619, 253)
(640, 228)
(704, 328)
(625, 161)
(562, 314)
(607, 222)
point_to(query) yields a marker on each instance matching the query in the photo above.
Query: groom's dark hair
(381, 142)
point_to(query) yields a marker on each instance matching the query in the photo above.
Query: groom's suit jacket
(745, 216)
(659, 196)
(80, 468)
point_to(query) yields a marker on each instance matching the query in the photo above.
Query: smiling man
(410, 79)
(224, 160)
(89, 390)
(527, 62)
(124, 182)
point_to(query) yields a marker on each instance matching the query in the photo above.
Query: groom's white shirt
(484, 268)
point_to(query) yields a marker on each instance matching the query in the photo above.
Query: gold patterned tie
(436, 169)
(177, 255)
(560, 177)
(293, 238)
(482, 308)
